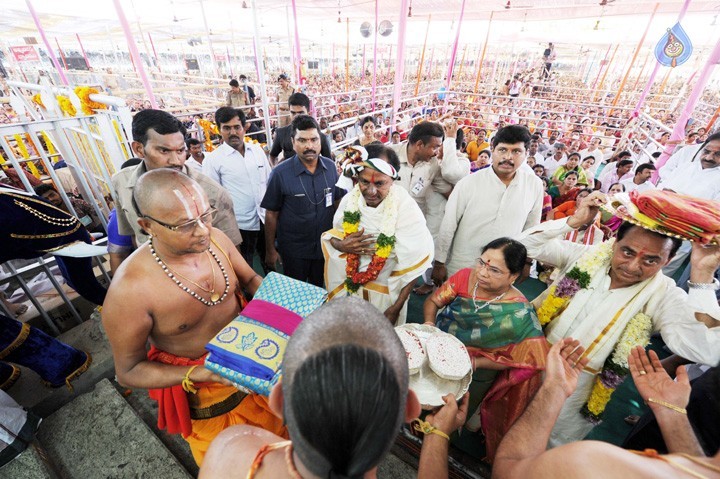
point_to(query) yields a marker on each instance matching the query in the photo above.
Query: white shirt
(194, 164)
(630, 185)
(551, 164)
(480, 209)
(245, 177)
(539, 158)
(418, 179)
(680, 157)
(691, 179)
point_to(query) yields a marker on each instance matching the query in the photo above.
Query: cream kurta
(412, 254)
(455, 168)
(481, 209)
(425, 176)
(597, 316)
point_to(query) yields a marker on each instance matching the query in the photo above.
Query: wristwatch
(715, 285)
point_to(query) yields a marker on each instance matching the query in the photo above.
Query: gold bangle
(427, 428)
(187, 384)
(675, 408)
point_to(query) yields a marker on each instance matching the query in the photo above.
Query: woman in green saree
(481, 307)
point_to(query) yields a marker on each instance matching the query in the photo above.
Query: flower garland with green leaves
(636, 333)
(615, 370)
(383, 244)
(574, 280)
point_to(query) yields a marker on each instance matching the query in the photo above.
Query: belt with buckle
(218, 409)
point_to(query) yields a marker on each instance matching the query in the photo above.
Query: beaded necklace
(213, 295)
(214, 299)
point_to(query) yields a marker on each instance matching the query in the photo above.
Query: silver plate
(428, 386)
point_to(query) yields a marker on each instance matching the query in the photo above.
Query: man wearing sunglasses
(177, 291)
(159, 140)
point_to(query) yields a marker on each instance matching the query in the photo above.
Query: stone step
(98, 435)
(28, 465)
(30, 392)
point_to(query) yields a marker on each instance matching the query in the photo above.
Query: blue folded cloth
(249, 350)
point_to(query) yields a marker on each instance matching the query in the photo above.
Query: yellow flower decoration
(350, 228)
(549, 308)
(383, 251)
(37, 99)
(599, 397)
(66, 105)
(88, 106)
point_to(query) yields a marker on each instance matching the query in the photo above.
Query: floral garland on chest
(636, 333)
(383, 244)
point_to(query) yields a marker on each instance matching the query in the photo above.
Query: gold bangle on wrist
(187, 384)
(675, 408)
(427, 428)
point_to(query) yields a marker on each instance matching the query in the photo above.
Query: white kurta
(426, 176)
(597, 316)
(454, 168)
(690, 178)
(480, 209)
(411, 255)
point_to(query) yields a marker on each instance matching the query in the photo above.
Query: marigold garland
(66, 105)
(209, 129)
(87, 105)
(383, 244)
(615, 370)
(37, 99)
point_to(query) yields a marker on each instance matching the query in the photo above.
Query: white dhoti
(411, 255)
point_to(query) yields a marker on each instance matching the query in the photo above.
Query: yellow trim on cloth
(407, 270)
(17, 342)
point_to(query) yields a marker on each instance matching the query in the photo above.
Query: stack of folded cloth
(250, 350)
(691, 218)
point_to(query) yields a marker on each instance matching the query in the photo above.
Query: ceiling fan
(509, 6)
(606, 3)
(175, 19)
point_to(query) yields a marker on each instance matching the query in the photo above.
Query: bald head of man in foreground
(344, 395)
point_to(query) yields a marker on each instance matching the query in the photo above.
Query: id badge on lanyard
(328, 197)
(418, 186)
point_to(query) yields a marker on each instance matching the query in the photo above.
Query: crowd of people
(465, 200)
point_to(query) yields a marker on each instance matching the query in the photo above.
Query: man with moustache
(242, 169)
(177, 291)
(299, 204)
(503, 200)
(159, 140)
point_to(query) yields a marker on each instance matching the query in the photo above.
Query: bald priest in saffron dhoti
(613, 296)
(379, 244)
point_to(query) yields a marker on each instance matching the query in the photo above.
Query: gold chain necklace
(214, 298)
(486, 303)
(213, 294)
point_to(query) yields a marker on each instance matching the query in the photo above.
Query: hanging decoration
(66, 105)
(674, 48)
(87, 105)
(37, 99)
(209, 129)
